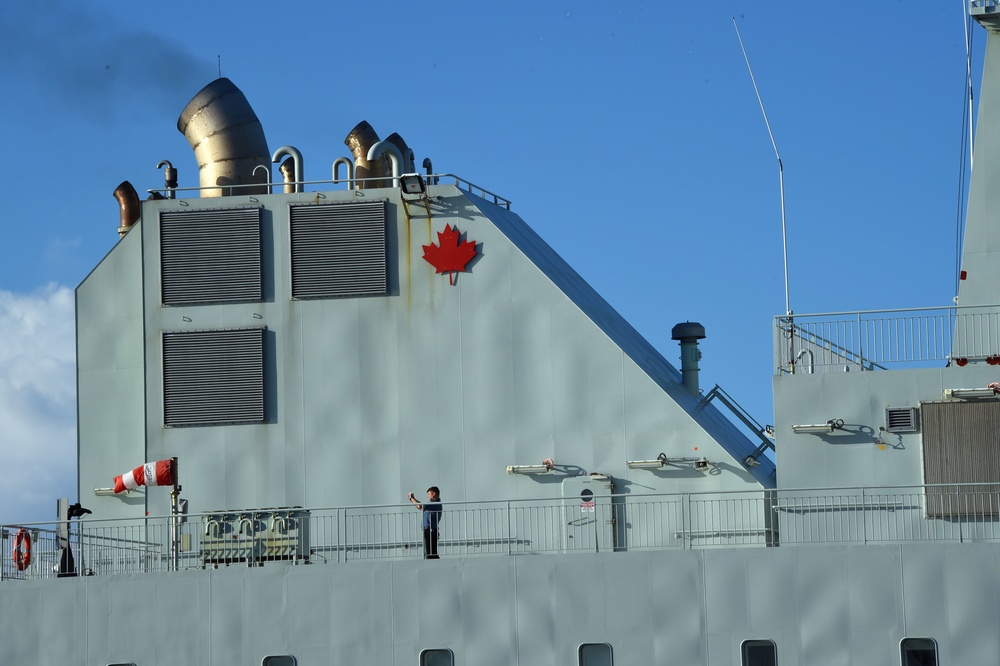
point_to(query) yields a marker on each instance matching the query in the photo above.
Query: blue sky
(626, 133)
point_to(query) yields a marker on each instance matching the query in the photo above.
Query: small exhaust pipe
(129, 207)
(350, 171)
(359, 141)
(291, 168)
(429, 167)
(227, 139)
(169, 178)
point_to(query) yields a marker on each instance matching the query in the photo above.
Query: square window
(759, 653)
(595, 654)
(437, 658)
(279, 660)
(919, 652)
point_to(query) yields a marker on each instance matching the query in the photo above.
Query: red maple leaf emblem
(451, 254)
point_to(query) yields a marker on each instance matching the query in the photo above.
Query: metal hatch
(587, 513)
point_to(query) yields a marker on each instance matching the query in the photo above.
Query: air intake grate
(338, 250)
(901, 419)
(213, 377)
(960, 447)
(210, 256)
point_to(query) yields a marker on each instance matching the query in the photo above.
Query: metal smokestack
(287, 170)
(689, 333)
(227, 139)
(359, 141)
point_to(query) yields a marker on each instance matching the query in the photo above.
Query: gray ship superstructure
(306, 353)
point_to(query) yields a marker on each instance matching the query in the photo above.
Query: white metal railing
(879, 339)
(957, 513)
(944, 512)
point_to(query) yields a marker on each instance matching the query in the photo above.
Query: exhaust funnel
(359, 141)
(227, 139)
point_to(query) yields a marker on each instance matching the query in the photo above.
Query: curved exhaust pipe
(169, 178)
(227, 139)
(350, 171)
(408, 165)
(359, 141)
(385, 150)
(291, 168)
(129, 205)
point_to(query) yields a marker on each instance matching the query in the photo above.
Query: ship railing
(962, 512)
(111, 547)
(614, 523)
(253, 189)
(882, 339)
(983, 6)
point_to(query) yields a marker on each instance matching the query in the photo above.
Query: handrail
(613, 523)
(744, 416)
(49, 525)
(868, 340)
(853, 313)
(849, 355)
(349, 182)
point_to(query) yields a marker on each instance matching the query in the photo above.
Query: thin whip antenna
(219, 57)
(781, 171)
(967, 24)
(965, 154)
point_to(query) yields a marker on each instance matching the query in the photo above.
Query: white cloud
(37, 403)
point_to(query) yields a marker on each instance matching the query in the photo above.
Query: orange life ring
(22, 549)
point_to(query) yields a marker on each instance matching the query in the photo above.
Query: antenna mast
(781, 171)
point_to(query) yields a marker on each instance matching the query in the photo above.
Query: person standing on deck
(431, 519)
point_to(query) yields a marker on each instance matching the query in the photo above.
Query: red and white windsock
(159, 473)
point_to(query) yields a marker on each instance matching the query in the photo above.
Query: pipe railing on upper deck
(953, 512)
(880, 339)
(348, 183)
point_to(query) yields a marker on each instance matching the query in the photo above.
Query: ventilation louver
(210, 256)
(213, 377)
(338, 249)
(959, 441)
(901, 419)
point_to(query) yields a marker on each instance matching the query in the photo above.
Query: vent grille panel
(338, 250)
(213, 377)
(210, 256)
(901, 419)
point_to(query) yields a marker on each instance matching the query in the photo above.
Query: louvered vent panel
(338, 250)
(901, 419)
(213, 377)
(960, 446)
(210, 256)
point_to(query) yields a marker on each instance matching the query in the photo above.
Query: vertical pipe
(175, 527)
(688, 334)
